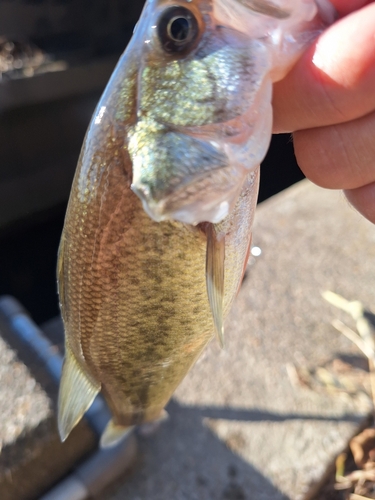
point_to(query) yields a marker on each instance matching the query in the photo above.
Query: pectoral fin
(113, 434)
(77, 393)
(60, 275)
(215, 257)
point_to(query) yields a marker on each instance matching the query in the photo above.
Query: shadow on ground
(185, 460)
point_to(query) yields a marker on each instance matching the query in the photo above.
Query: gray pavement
(32, 457)
(239, 427)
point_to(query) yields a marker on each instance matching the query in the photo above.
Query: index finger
(334, 80)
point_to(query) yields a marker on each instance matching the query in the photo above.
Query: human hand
(328, 102)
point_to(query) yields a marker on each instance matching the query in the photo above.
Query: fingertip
(293, 99)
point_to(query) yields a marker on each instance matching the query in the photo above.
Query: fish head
(203, 104)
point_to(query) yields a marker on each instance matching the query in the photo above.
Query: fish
(157, 231)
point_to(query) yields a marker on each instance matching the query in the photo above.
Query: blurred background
(55, 59)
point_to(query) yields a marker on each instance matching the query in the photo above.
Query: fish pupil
(178, 30)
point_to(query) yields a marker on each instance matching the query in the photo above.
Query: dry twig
(360, 482)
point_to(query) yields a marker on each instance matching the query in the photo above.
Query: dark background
(43, 117)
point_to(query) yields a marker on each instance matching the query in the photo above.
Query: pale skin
(328, 102)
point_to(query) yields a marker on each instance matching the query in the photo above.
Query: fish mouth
(184, 178)
(207, 198)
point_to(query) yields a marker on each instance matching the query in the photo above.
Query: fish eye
(178, 29)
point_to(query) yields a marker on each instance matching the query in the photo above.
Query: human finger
(363, 199)
(344, 7)
(338, 156)
(334, 80)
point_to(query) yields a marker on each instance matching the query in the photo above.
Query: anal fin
(113, 434)
(76, 395)
(215, 256)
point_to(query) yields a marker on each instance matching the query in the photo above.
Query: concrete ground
(32, 458)
(240, 427)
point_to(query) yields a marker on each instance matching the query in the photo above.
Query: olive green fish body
(158, 227)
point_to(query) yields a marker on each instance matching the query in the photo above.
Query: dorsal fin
(76, 395)
(215, 256)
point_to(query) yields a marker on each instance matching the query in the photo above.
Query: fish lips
(201, 200)
(186, 179)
